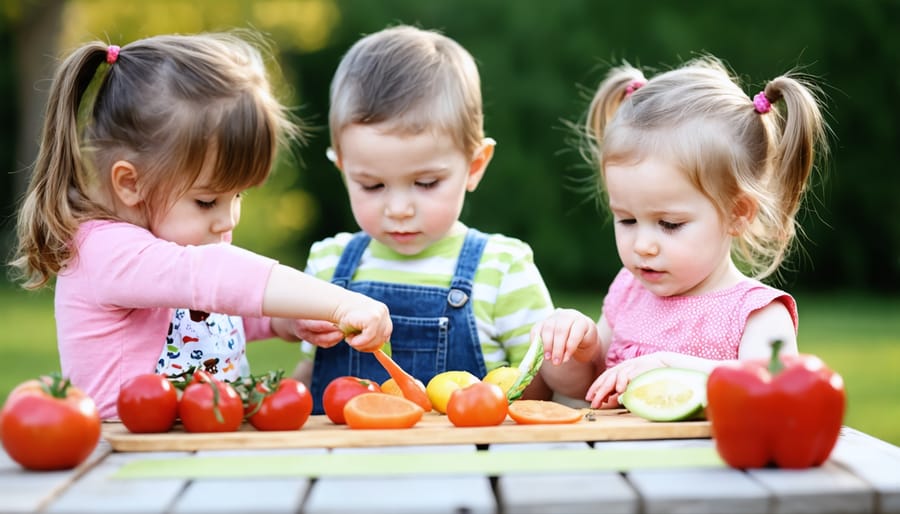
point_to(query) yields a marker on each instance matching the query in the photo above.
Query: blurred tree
(43, 31)
(30, 29)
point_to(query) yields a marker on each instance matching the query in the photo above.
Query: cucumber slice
(666, 394)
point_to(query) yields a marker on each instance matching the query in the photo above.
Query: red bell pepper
(787, 411)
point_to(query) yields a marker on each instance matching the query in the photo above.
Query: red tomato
(48, 424)
(338, 393)
(148, 404)
(286, 408)
(210, 405)
(481, 404)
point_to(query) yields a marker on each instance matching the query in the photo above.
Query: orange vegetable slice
(381, 410)
(411, 388)
(537, 412)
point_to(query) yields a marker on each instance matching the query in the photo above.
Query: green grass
(856, 335)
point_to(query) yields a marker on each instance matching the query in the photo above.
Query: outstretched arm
(290, 293)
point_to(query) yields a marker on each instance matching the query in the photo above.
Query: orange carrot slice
(411, 388)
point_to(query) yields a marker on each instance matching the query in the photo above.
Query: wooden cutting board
(320, 432)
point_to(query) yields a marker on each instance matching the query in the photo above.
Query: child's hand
(605, 391)
(568, 334)
(323, 334)
(365, 323)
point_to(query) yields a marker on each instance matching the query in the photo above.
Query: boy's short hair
(413, 80)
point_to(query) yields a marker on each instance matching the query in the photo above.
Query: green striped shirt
(509, 294)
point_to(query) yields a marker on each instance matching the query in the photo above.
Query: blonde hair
(699, 118)
(413, 80)
(169, 105)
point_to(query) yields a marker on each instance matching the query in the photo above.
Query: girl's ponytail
(618, 85)
(57, 197)
(802, 139)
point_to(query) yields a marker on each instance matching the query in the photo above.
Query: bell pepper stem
(775, 365)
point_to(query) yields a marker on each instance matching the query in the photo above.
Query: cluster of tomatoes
(151, 403)
(48, 424)
(361, 403)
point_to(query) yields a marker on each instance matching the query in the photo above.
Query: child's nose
(645, 243)
(399, 205)
(226, 220)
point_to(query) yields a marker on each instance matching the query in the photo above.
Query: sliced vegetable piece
(666, 394)
(528, 368)
(411, 388)
(538, 412)
(381, 410)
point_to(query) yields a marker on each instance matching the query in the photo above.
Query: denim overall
(434, 327)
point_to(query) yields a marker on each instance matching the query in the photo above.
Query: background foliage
(539, 62)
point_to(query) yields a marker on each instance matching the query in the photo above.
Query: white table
(862, 475)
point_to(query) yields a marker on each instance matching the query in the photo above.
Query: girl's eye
(627, 221)
(205, 205)
(669, 226)
(371, 187)
(427, 184)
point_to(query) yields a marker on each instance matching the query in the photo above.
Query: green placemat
(488, 463)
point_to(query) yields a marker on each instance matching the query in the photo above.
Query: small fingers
(561, 334)
(328, 340)
(601, 388)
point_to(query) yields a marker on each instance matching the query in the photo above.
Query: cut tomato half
(381, 410)
(537, 412)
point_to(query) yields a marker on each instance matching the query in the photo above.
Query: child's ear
(479, 163)
(333, 157)
(742, 214)
(124, 178)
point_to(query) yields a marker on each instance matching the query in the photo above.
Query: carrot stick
(409, 386)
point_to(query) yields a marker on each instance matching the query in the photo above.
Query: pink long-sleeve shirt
(115, 300)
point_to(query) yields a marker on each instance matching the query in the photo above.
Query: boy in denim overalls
(407, 135)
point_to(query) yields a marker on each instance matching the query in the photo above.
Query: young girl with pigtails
(133, 199)
(704, 184)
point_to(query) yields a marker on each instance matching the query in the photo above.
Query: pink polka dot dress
(709, 326)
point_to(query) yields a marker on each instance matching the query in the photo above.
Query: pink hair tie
(761, 103)
(634, 86)
(112, 53)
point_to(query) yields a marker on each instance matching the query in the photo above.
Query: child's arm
(290, 293)
(605, 390)
(127, 266)
(765, 326)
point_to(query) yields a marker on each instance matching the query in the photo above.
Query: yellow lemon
(390, 387)
(504, 376)
(444, 384)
